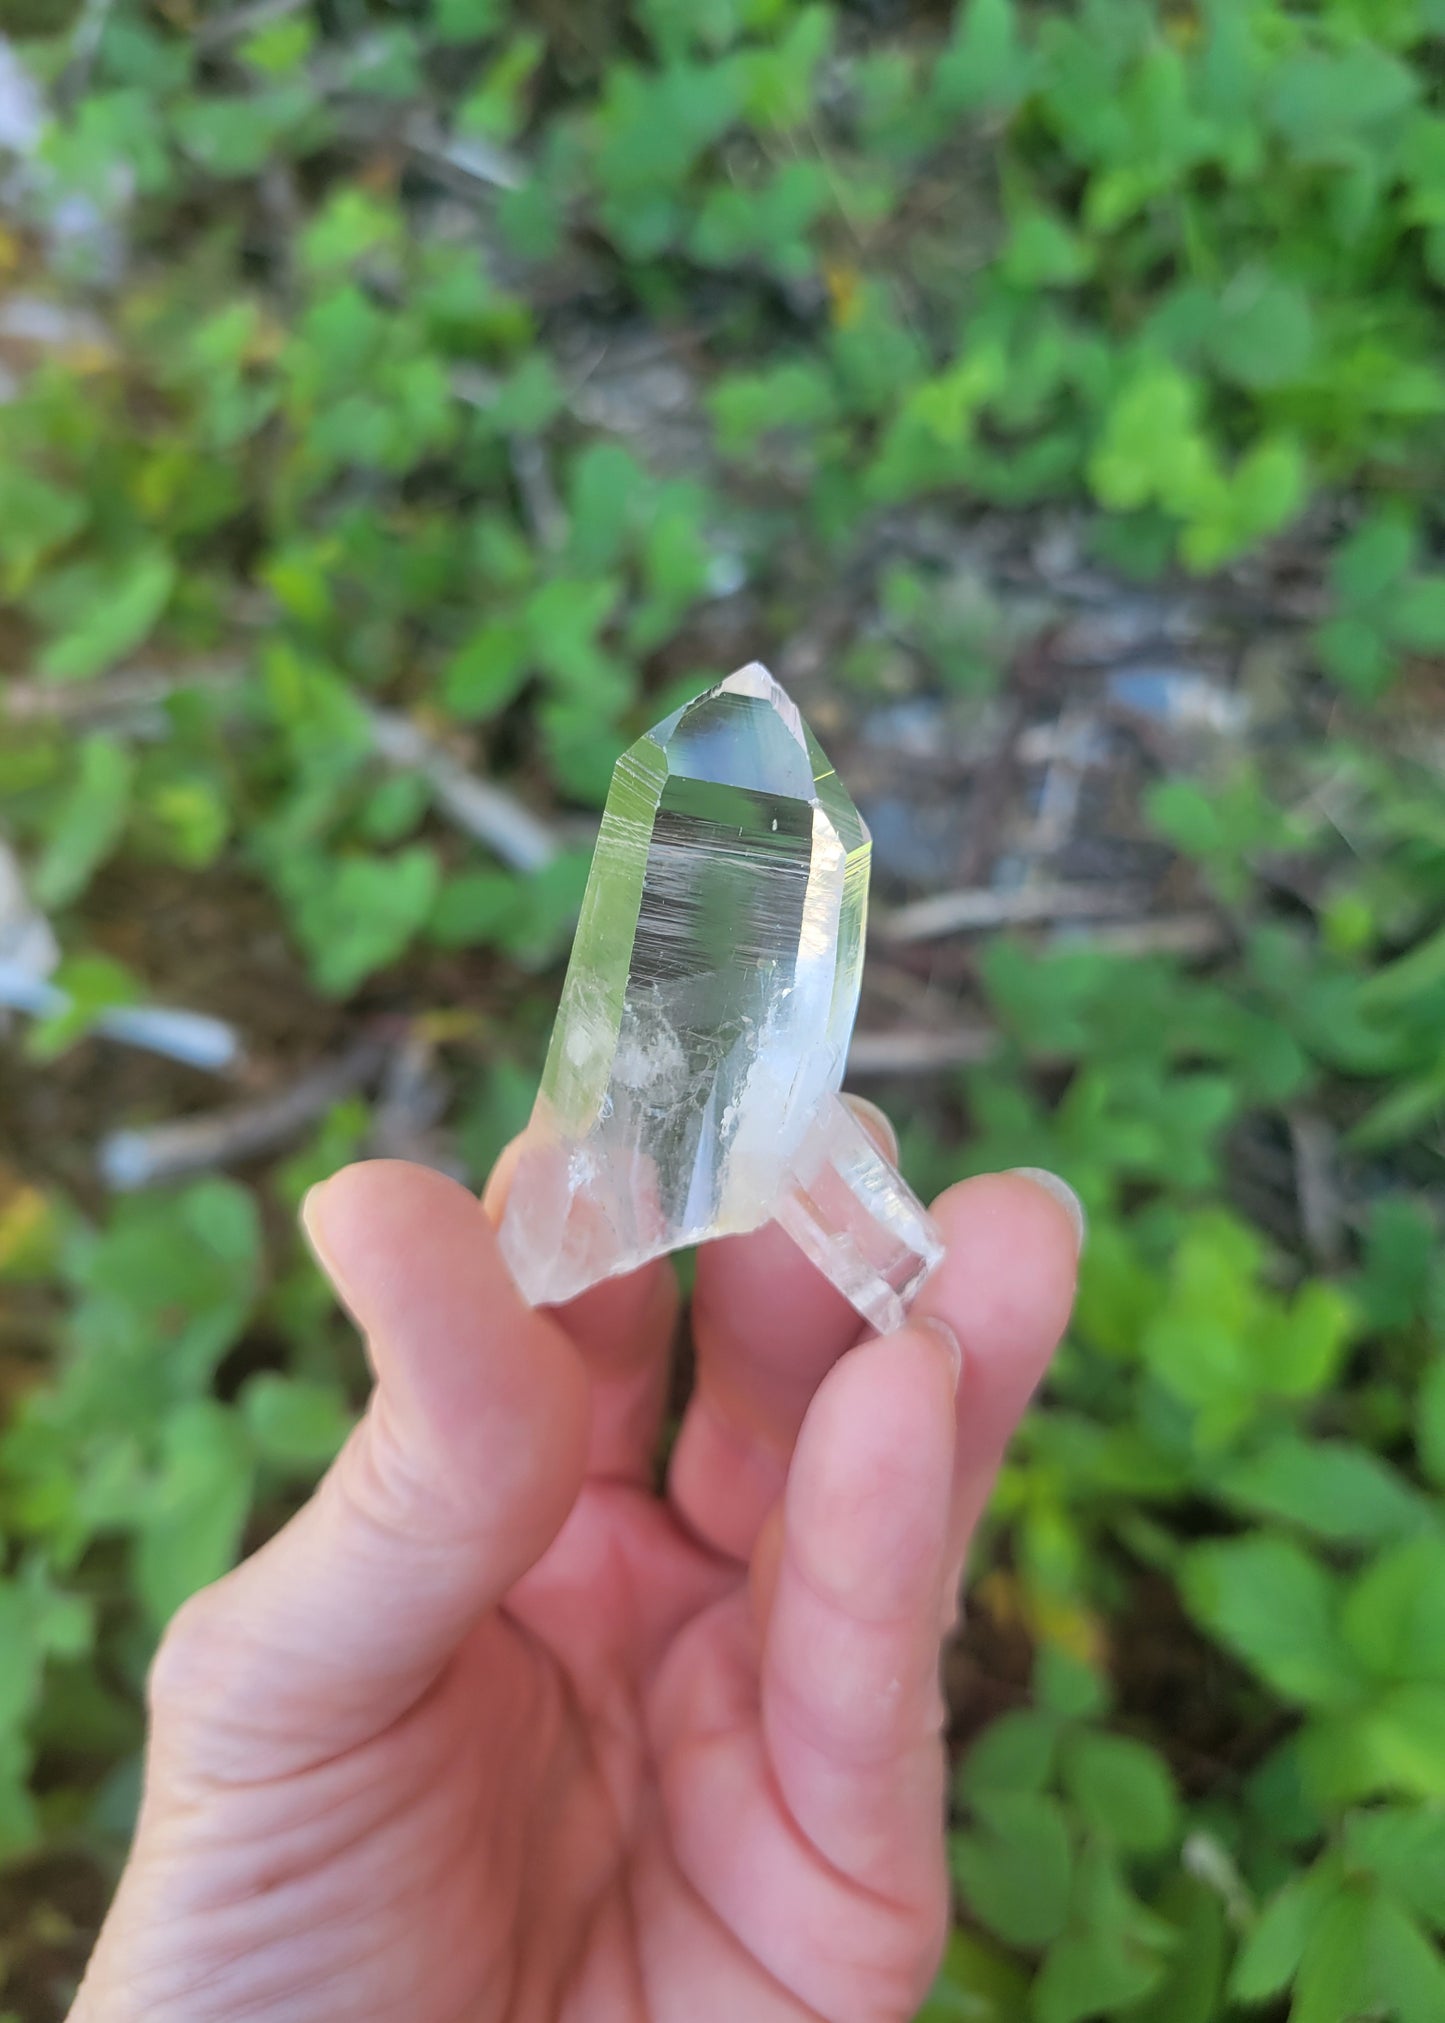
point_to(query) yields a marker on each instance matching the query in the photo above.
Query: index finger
(767, 1327)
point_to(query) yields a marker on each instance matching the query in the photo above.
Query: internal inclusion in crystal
(691, 1085)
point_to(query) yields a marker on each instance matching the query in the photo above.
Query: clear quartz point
(691, 1087)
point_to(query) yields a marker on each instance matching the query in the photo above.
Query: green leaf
(1193, 1980)
(1042, 252)
(88, 823)
(36, 518)
(93, 984)
(1123, 1791)
(1406, 1971)
(496, 108)
(350, 227)
(1417, 615)
(1340, 1493)
(1394, 1615)
(1015, 1871)
(1113, 1953)
(1014, 1753)
(1357, 654)
(280, 47)
(235, 136)
(975, 1985)
(1067, 1687)
(1189, 816)
(1375, 558)
(1405, 1848)
(191, 1528)
(294, 1423)
(1394, 1746)
(1263, 332)
(550, 901)
(1272, 1605)
(102, 611)
(1318, 101)
(466, 20)
(359, 915)
(1148, 435)
(489, 669)
(652, 127)
(985, 65)
(479, 907)
(1410, 1108)
(1277, 1943)
(1430, 1422)
(1399, 1251)
(1271, 483)
(163, 1292)
(21, 1657)
(609, 498)
(1305, 1348)
(1333, 1984)
(779, 82)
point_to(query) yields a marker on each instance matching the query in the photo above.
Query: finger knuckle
(192, 1664)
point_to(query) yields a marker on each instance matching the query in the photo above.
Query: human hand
(491, 1731)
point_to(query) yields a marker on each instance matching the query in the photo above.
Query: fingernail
(1062, 1193)
(950, 1343)
(312, 1215)
(876, 1123)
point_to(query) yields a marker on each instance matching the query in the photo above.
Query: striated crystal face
(707, 1011)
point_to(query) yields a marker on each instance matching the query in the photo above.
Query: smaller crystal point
(691, 1085)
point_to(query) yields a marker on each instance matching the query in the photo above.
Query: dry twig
(1028, 905)
(483, 811)
(915, 1052)
(129, 1160)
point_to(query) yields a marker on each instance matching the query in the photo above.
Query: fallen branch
(920, 1052)
(28, 946)
(125, 693)
(542, 507)
(1321, 1211)
(485, 812)
(966, 912)
(1187, 934)
(481, 810)
(129, 1160)
(464, 160)
(194, 1038)
(241, 21)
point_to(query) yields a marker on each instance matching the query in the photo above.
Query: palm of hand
(628, 1774)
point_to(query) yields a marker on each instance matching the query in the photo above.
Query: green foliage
(1060, 1814)
(322, 441)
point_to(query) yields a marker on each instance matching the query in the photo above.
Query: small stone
(691, 1085)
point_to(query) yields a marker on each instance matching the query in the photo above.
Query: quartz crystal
(691, 1086)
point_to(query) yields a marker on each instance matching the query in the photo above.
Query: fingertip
(1058, 1189)
(499, 1180)
(416, 1264)
(362, 1213)
(947, 1339)
(1010, 1267)
(876, 1122)
(1006, 1286)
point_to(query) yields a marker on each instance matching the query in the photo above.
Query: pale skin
(496, 1732)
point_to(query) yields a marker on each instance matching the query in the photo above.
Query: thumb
(458, 1477)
